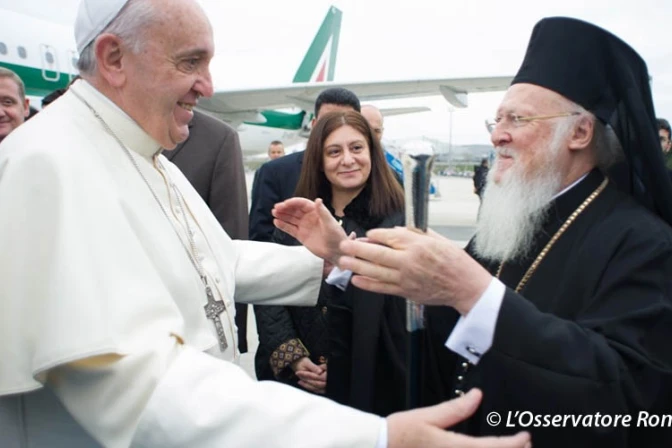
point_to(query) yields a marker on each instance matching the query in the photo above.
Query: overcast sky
(261, 43)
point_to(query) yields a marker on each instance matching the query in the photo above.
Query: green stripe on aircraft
(37, 81)
(282, 120)
(331, 26)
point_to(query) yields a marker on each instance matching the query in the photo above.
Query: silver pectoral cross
(213, 309)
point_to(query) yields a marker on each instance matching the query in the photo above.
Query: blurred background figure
(665, 134)
(375, 119)
(480, 178)
(276, 150)
(47, 100)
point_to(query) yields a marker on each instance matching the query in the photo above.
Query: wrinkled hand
(312, 225)
(424, 427)
(312, 377)
(425, 268)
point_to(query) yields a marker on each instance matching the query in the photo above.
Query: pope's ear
(582, 134)
(110, 59)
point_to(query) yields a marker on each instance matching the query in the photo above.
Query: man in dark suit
(212, 160)
(276, 180)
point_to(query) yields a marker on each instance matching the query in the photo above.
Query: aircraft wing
(390, 111)
(244, 104)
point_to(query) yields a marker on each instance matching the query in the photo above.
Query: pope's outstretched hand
(425, 427)
(312, 225)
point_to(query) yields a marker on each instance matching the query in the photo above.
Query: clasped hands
(312, 377)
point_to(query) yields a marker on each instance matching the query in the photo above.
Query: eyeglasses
(517, 121)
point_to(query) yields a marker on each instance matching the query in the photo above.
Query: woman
(354, 338)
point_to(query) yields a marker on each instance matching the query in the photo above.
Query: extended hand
(425, 268)
(424, 427)
(312, 225)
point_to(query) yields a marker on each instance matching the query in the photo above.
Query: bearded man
(561, 306)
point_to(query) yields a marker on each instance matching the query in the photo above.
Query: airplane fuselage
(256, 139)
(40, 52)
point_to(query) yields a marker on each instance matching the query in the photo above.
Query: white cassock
(103, 310)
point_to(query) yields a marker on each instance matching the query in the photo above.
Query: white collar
(575, 183)
(121, 124)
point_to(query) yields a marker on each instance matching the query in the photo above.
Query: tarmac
(452, 213)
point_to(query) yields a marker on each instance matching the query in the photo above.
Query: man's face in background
(13, 109)
(665, 142)
(276, 151)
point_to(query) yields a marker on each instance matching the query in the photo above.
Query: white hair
(605, 146)
(130, 25)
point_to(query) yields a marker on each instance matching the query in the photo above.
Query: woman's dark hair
(385, 194)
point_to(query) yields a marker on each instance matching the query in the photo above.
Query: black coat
(212, 160)
(274, 182)
(359, 334)
(590, 332)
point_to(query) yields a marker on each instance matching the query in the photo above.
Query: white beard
(513, 211)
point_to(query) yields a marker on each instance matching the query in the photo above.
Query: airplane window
(22, 52)
(49, 57)
(3, 48)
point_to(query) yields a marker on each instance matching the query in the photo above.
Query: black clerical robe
(590, 332)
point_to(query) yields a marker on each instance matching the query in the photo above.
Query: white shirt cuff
(472, 336)
(382, 435)
(338, 278)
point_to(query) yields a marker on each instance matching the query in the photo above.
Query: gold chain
(557, 235)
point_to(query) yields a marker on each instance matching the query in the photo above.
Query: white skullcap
(93, 17)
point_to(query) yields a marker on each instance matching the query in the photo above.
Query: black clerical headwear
(603, 74)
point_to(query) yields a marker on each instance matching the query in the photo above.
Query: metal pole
(417, 161)
(450, 133)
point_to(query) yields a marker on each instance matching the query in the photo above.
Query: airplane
(43, 55)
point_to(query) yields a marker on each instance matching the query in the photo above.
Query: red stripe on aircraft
(320, 77)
